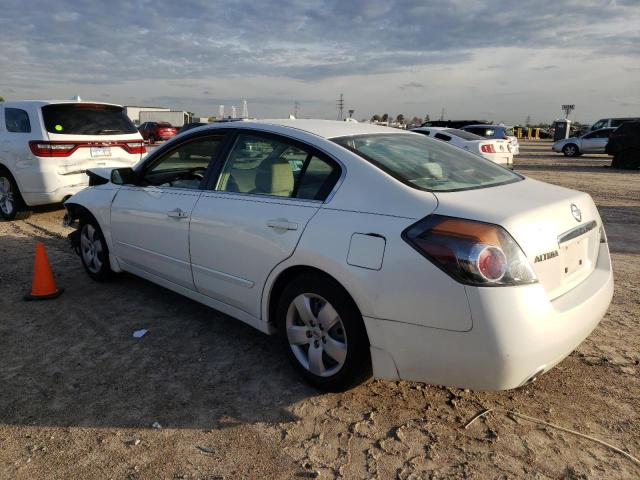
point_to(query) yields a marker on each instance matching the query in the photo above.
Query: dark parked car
(153, 131)
(624, 145)
(188, 126)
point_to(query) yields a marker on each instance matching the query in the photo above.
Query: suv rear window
(427, 164)
(86, 119)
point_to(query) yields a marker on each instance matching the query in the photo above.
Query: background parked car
(154, 131)
(592, 142)
(496, 150)
(496, 131)
(624, 145)
(79, 135)
(612, 122)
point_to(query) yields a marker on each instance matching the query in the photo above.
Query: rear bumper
(43, 182)
(517, 334)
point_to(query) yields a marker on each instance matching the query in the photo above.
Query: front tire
(12, 206)
(94, 252)
(570, 150)
(323, 333)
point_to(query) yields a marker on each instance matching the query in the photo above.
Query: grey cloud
(411, 85)
(97, 43)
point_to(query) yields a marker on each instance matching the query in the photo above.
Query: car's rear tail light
(135, 147)
(51, 149)
(487, 148)
(473, 253)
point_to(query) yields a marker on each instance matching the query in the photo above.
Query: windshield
(86, 119)
(427, 164)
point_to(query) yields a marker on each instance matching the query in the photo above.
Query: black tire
(571, 150)
(152, 139)
(94, 256)
(356, 364)
(12, 205)
(627, 159)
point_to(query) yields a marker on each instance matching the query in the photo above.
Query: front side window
(267, 166)
(441, 136)
(86, 119)
(183, 166)
(599, 124)
(17, 120)
(427, 164)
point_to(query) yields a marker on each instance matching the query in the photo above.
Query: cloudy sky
(493, 59)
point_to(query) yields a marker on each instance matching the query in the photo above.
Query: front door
(150, 220)
(253, 214)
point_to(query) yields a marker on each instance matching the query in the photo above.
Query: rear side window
(267, 166)
(17, 120)
(86, 119)
(462, 134)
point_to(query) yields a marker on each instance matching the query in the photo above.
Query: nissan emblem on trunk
(575, 211)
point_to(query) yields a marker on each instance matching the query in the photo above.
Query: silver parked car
(592, 142)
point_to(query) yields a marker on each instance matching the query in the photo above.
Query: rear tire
(626, 159)
(94, 251)
(570, 150)
(323, 333)
(12, 205)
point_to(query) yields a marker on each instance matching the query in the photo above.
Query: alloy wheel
(316, 334)
(91, 248)
(6, 196)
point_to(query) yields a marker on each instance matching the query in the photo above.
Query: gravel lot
(79, 395)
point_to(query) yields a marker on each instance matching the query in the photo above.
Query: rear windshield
(508, 131)
(462, 134)
(427, 164)
(86, 119)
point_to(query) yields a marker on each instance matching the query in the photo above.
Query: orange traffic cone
(43, 286)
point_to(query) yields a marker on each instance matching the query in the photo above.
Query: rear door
(253, 213)
(150, 220)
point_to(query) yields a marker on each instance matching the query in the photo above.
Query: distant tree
(426, 118)
(1, 99)
(416, 121)
(375, 117)
(527, 122)
(385, 117)
(400, 118)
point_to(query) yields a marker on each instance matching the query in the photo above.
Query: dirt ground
(79, 395)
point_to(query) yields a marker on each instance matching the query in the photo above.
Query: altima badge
(575, 211)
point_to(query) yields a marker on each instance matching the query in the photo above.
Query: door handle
(177, 213)
(282, 224)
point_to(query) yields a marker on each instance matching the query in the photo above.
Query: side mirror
(123, 176)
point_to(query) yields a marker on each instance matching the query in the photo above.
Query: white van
(47, 146)
(612, 122)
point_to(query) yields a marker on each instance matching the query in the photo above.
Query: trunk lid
(558, 229)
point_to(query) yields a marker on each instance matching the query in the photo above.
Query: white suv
(47, 146)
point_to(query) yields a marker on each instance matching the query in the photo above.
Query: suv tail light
(134, 147)
(473, 253)
(64, 149)
(487, 148)
(52, 149)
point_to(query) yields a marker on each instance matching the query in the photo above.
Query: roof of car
(41, 103)
(322, 128)
(486, 125)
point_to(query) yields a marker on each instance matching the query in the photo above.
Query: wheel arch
(278, 281)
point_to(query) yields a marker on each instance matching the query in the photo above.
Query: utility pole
(233, 111)
(296, 108)
(221, 112)
(442, 114)
(351, 112)
(340, 107)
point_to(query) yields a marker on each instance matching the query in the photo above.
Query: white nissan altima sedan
(367, 249)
